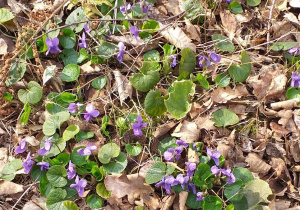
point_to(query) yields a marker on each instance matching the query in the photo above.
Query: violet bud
(121, 52)
(204, 62)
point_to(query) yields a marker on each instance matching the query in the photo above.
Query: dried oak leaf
(205, 122)
(295, 150)
(187, 131)
(8, 188)
(167, 202)
(270, 83)
(3, 157)
(257, 165)
(280, 169)
(132, 186)
(278, 129)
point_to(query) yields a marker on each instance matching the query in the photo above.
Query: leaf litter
(263, 137)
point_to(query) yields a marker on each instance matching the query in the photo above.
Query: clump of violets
(126, 9)
(71, 170)
(27, 164)
(175, 153)
(22, 147)
(137, 127)
(121, 52)
(79, 185)
(295, 80)
(47, 146)
(74, 107)
(135, 32)
(44, 165)
(82, 41)
(294, 51)
(90, 112)
(52, 45)
(87, 150)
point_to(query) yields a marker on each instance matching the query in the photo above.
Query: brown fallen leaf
(229, 22)
(205, 122)
(279, 188)
(222, 95)
(3, 47)
(278, 129)
(275, 150)
(295, 150)
(177, 37)
(187, 131)
(296, 114)
(132, 186)
(8, 188)
(270, 83)
(257, 165)
(288, 104)
(285, 115)
(36, 203)
(280, 169)
(167, 202)
(123, 85)
(182, 200)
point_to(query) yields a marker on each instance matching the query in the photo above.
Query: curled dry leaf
(187, 131)
(278, 187)
(163, 129)
(288, 104)
(270, 83)
(275, 150)
(177, 37)
(193, 156)
(8, 188)
(123, 85)
(295, 150)
(182, 200)
(3, 47)
(257, 165)
(132, 186)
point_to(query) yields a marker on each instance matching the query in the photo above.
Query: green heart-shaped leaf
(31, 95)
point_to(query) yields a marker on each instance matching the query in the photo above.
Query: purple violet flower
(174, 61)
(44, 165)
(173, 152)
(204, 62)
(121, 52)
(182, 180)
(215, 170)
(82, 41)
(70, 171)
(167, 183)
(137, 127)
(294, 51)
(126, 9)
(144, 6)
(90, 112)
(87, 30)
(214, 57)
(182, 143)
(47, 146)
(73, 107)
(52, 45)
(230, 177)
(22, 147)
(200, 196)
(87, 150)
(80, 185)
(27, 164)
(190, 168)
(213, 155)
(191, 187)
(135, 32)
(295, 80)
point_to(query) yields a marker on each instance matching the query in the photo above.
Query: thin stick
(269, 24)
